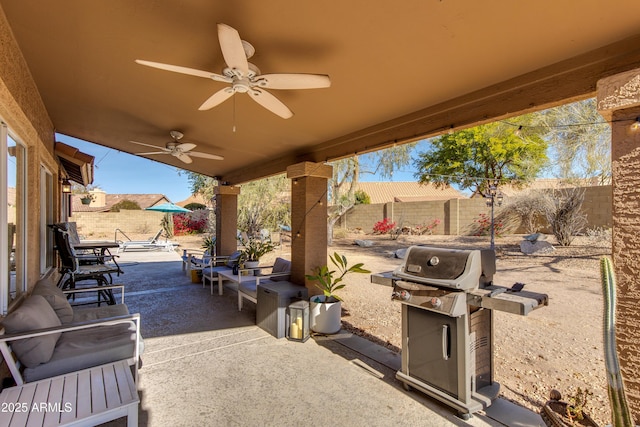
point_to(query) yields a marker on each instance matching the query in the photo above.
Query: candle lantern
(298, 324)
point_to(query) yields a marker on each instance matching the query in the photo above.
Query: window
(46, 217)
(13, 161)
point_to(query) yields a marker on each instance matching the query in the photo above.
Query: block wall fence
(457, 216)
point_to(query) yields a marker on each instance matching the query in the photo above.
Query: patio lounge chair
(152, 244)
(217, 264)
(280, 272)
(76, 268)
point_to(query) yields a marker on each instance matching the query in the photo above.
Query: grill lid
(450, 268)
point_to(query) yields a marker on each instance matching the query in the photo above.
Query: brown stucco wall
(27, 119)
(625, 156)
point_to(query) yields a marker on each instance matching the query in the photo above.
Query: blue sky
(121, 173)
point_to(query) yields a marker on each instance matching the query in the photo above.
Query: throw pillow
(34, 313)
(56, 298)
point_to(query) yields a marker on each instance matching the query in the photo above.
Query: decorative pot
(324, 317)
(85, 200)
(252, 264)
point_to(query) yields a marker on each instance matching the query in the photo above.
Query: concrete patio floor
(207, 364)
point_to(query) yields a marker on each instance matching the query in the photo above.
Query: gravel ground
(558, 346)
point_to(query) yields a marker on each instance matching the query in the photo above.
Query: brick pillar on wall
(226, 219)
(618, 99)
(308, 219)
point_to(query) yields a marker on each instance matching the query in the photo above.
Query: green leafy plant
(577, 403)
(254, 249)
(330, 281)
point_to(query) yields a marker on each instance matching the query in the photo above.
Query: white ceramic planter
(324, 318)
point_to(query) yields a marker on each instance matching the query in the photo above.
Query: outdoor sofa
(49, 337)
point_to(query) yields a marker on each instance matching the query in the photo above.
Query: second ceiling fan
(182, 151)
(245, 77)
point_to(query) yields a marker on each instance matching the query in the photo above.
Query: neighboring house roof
(195, 198)
(408, 191)
(144, 200)
(549, 183)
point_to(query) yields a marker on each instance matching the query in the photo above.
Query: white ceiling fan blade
(216, 99)
(185, 146)
(153, 152)
(185, 70)
(232, 49)
(149, 145)
(270, 102)
(293, 81)
(182, 156)
(205, 155)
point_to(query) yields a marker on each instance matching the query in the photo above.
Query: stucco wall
(22, 109)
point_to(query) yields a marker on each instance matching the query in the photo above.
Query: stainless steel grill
(448, 297)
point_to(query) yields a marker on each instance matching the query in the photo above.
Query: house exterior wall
(23, 110)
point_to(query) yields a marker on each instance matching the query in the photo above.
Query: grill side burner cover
(451, 268)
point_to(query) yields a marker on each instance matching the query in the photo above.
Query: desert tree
(579, 141)
(474, 158)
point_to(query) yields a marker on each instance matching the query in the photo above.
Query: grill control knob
(401, 295)
(436, 302)
(434, 261)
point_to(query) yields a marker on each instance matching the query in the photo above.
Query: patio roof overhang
(399, 72)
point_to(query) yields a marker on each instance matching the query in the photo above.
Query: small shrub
(125, 205)
(484, 226)
(191, 223)
(428, 227)
(362, 198)
(383, 227)
(563, 210)
(195, 206)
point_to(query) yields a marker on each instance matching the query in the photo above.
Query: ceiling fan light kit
(245, 77)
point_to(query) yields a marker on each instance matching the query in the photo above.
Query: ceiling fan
(177, 149)
(245, 77)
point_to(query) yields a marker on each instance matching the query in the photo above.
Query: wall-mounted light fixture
(66, 186)
(635, 126)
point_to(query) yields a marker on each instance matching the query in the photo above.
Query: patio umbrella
(169, 209)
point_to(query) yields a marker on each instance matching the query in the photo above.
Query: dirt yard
(558, 346)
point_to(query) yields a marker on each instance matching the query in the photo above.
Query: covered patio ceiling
(399, 70)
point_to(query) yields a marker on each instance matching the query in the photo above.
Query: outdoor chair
(280, 272)
(195, 259)
(217, 264)
(77, 268)
(151, 244)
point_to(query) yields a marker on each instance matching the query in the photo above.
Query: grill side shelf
(521, 303)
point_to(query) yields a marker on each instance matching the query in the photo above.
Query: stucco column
(226, 219)
(618, 100)
(308, 219)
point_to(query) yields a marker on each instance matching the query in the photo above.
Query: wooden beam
(567, 81)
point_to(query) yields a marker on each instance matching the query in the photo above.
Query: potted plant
(325, 310)
(253, 250)
(87, 199)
